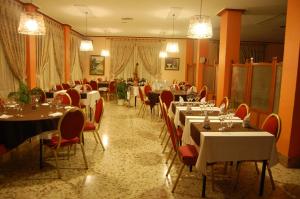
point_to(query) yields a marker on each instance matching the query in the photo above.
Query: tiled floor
(132, 166)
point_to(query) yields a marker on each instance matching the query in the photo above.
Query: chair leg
(69, 147)
(256, 167)
(56, 162)
(177, 179)
(168, 140)
(140, 109)
(271, 177)
(162, 130)
(144, 111)
(163, 138)
(95, 137)
(169, 155)
(84, 157)
(212, 178)
(169, 169)
(99, 138)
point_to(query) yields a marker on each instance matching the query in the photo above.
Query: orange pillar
(289, 106)
(189, 57)
(202, 53)
(67, 40)
(30, 52)
(230, 31)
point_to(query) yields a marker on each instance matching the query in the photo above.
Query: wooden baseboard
(289, 162)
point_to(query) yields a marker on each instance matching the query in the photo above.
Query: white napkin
(11, 105)
(4, 116)
(222, 108)
(189, 90)
(68, 107)
(203, 100)
(181, 101)
(45, 104)
(55, 114)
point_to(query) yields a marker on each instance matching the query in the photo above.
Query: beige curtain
(148, 52)
(13, 43)
(43, 43)
(76, 65)
(57, 33)
(121, 52)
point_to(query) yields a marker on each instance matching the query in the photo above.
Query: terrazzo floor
(132, 166)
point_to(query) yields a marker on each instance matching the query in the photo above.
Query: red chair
(111, 89)
(75, 97)
(167, 97)
(64, 98)
(147, 89)
(203, 92)
(187, 154)
(144, 102)
(66, 86)
(69, 132)
(224, 103)
(176, 86)
(77, 82)
(59, 87)
(242, 111)
(95, 125)
(85, 81)
(94, 85)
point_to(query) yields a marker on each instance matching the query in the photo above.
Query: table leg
(262, 178)
(203, 185)
(41, 153)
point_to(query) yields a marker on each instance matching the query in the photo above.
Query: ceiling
(264, 20)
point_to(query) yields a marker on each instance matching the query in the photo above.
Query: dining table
(233, 144)
(19, 123)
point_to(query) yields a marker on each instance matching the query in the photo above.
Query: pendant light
(31, 23)
(86, 45)
(105, 52)
(172, 46)
(200, 26)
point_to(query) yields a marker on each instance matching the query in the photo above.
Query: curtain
(13, 43)
(148, 52)
(8, 81)
(248, 50)
(76, 65)
(121, 52)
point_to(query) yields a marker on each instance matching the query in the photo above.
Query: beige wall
(99, 43)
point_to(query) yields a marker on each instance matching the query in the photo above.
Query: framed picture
(97, 65)
(172, 63)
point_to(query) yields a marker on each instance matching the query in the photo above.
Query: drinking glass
(229, 121)
(221, 118)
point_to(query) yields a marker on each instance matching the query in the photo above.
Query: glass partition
(277, 87)
(209, 77)
(238, 85)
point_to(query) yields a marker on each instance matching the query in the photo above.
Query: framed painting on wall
(97, 65)
(172, 63)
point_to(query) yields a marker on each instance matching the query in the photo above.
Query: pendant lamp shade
(172, 46)
(31, 23)
(200, 27)
(86, 45)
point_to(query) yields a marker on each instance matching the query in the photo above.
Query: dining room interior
(149, 99)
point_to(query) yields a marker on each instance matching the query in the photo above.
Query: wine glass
(229, 121)
(221, 118)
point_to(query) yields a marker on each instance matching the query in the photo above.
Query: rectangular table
(234, 144)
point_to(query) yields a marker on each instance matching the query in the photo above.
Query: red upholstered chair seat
(89, 126)
(188, 154)
(271, 125)
(53, 142)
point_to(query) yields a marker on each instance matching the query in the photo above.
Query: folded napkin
(55, 114)
(45, 104)
(68, 107)
(181, 100)
(11, 105)
(4, 116)
(203, 100)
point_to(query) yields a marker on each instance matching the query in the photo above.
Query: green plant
(121, 90)
(24, 93)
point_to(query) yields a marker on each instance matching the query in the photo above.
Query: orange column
(67, 39)
(189, 56)
(289, 106)
(202, 53)
(30, 52)
(230, 30)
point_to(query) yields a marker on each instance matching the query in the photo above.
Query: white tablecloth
(235, 146)
(91, 99)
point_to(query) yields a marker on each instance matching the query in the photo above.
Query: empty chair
(59, 87)
(66, 86)
(64, 98)
(69, 132)
(147, 89)
(86, 87)
(167, 97)
(95, 125)
(203, 92)
(94, 85)
(84, 81)
(111, 92)
(75, 97)
(224, 103)
(144, 103)
(77, 82)
(242, 111)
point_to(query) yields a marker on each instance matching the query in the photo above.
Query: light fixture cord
(86, 23)
(200, 8)
(173, 24)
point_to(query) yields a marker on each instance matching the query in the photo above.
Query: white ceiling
(262, 21)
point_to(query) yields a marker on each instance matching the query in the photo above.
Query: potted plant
(121, 92)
